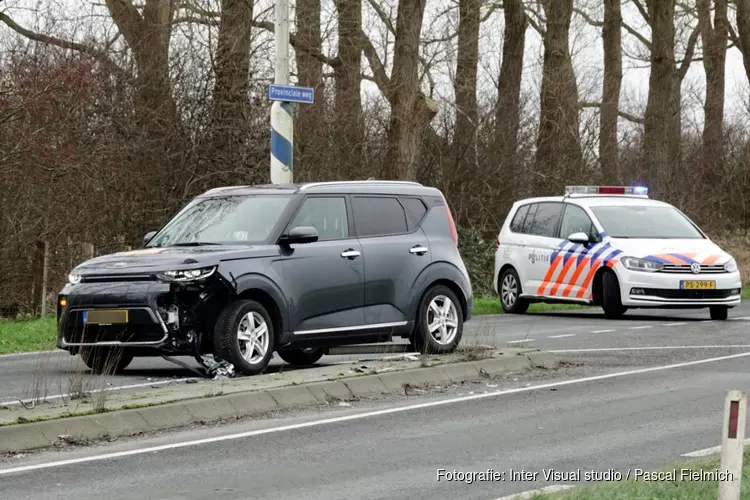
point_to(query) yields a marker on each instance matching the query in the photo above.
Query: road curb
(127, 422)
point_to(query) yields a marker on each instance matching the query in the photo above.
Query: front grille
(114, 278)
(670, 293)
(685, 269)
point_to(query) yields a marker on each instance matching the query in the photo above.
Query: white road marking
(603, 331)
(106, 389)
(651, 348)
(674, 324)
(532, 493)
(33, 353)
(745, 318)
(709, 451)
(561, 336)
(359, 416)
(519, 341)
(707, 321)
(643, 327)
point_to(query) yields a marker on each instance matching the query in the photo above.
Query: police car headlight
(74, 278)
(730, 266)
(636, 264)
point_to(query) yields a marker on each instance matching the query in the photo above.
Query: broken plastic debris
(344, 404)
(217, 368)
(491, 385)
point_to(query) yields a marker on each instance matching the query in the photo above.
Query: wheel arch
(502, 270)
(597, 283)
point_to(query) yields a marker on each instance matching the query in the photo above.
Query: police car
(614, 247)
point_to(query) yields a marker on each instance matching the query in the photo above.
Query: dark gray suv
(243, 272)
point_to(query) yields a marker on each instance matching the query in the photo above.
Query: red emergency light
(624, 190)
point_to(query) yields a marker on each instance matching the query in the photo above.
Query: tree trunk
(229, 131)
(411, 111)
(508, 113)
(743, 31)
(309, 133)
(612, 36)
(714, 63)
(558, 157)
(465, 84)
(660, 108)
(348, 101)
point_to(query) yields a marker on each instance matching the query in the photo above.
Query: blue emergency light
(607, 190)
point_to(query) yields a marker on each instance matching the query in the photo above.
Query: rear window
(645, 221)
(516, 224)
(378, 216)
(545, 219)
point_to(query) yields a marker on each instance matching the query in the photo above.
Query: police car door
(573, 274)
(542, 243)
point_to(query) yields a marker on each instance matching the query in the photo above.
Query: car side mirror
(148, 237)
(301, 234)
(581, 238)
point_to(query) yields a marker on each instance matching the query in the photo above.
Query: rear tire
(509, 289)
(106, 360)
(611, 299)
(301, 357)
(719, 313)
(244, 336)
(439, 315)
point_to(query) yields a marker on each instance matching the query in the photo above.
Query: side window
(526, 229)
(415, 209)
(545, 219)
(576, 220)
(379, 216)
(326, 214)
(516, 224)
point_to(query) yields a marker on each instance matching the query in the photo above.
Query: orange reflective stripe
(548, 276)
(572, 282)
(589, 277)
(710, 260)
(561, 279)
(669, 258)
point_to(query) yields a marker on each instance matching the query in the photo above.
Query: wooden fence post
(40, 278)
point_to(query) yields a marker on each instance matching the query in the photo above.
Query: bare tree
(559, 154)
(508, 112)
(612, 37)
(465, 84)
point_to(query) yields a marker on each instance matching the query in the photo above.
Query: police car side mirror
(581, 238)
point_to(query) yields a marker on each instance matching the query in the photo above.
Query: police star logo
(695, 268)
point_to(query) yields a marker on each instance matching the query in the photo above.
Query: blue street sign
(291, 93)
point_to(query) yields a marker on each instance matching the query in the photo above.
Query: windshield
(223, 220)
(644, 221)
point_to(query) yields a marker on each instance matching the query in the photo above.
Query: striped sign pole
(282, 127)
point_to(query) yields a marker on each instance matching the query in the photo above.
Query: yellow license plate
(105, 317)
(698, 285)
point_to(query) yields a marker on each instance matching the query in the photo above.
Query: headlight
(636, 264)
(730, 266)
(183, 275)
(74, 278)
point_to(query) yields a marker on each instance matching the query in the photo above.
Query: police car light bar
(631, 190)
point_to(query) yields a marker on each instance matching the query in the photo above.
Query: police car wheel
(510, 293)
(719, 313)
(611, 301)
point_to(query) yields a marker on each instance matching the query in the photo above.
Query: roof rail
(222, 188)
(368, 181)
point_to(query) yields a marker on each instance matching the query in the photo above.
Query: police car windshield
(645, 221)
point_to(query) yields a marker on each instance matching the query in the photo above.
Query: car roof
(598, 200)
(343, 187)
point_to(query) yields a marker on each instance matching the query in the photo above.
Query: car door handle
(419, 250)
(350, 254)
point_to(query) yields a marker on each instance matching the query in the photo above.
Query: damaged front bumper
(146, 317)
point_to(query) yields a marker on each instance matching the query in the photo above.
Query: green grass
(27, 336)
(491, 305)
(658, 488)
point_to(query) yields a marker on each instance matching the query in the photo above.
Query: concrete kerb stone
(35, 435)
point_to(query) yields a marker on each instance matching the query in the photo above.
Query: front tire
(301, 357)
(106, 360)
(244, 336)
(440, 322)
(719, 313)
(510, 293)
(611, 299)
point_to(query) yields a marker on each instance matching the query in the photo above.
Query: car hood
(150, 260)
(673, 251)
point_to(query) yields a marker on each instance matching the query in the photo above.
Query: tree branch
(622, 114)
(642, 10)
(330, 61)
(588, 19)
(635, 33)
(689, 53)
(96, 54)
(380, 77)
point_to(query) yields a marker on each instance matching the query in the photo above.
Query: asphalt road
(637, 420)
(27, 376)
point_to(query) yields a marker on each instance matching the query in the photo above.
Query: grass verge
(686, 483)
(27, 335)
(39, 334)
